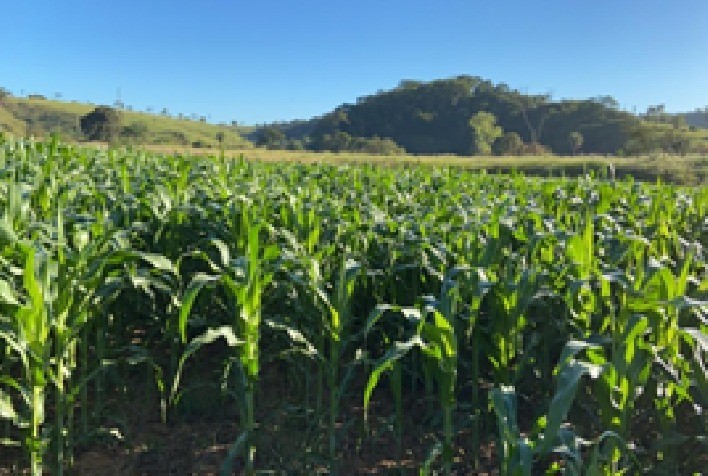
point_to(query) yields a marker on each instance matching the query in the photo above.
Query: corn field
(442, 320)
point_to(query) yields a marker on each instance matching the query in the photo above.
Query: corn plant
(245, 279)
(484, 298)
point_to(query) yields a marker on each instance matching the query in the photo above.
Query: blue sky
(265, 60)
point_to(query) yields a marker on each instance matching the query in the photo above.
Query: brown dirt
(285, 444)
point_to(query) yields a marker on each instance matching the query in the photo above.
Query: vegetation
(691, 169)
(484, 132)
(509, 143)
(434, 118)
(575, 139)
(555, 325)
(101, 124)
(416, 117)
(43, 117)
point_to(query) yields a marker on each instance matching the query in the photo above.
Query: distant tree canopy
(271, 137)
(343, 142)
(101, 124)
(653, 135)
(434, 117)
(509, 143)
(575, 140)
(484, 131)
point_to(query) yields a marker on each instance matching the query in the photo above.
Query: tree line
(463, 115)
(469, 115)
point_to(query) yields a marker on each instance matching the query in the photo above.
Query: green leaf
(698, 336)
(223, 250)
(225, 332)
(7, 295)
(385, 363)
(7, 410)
(295, 336)
(566, 388)
(433, 454)
(195, 286)
(237, 446)
(7, 232)
(158, 261)
(516, 452)
(571, 349)
(380, 310)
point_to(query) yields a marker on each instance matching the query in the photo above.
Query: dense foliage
(434, 117)
(443, 117)
(561, 322)
(102, 124)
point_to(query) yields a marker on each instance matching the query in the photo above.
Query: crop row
(561, 322)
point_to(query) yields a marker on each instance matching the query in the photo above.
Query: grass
(24, 116)
(690, 169)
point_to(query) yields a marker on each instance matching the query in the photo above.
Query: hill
(39, 116)
(468, 115)
(434, 118)
(414, 117)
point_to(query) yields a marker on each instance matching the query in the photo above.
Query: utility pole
(119, 102)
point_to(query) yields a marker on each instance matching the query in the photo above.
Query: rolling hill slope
(40, 117)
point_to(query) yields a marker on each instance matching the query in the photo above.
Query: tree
(271, 137)
(433, 117)
(535, 124)
(485, 130)
(676, 141)
(575, 140)
(337, 142)
(643, 137)
(374, 145)
(101, 124)
(508, 144)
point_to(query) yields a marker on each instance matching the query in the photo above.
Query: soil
(135, 442)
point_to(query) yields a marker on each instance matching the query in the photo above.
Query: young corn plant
(334, 307)
(337, 326)
(59, 282)
(26, 332)
(436, 339)
(244, 279)
(519, 451)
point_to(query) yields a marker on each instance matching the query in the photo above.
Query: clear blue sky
(264, 60)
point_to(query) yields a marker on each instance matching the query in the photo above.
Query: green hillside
(40, 117)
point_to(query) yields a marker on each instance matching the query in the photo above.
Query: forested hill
(434, 117)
